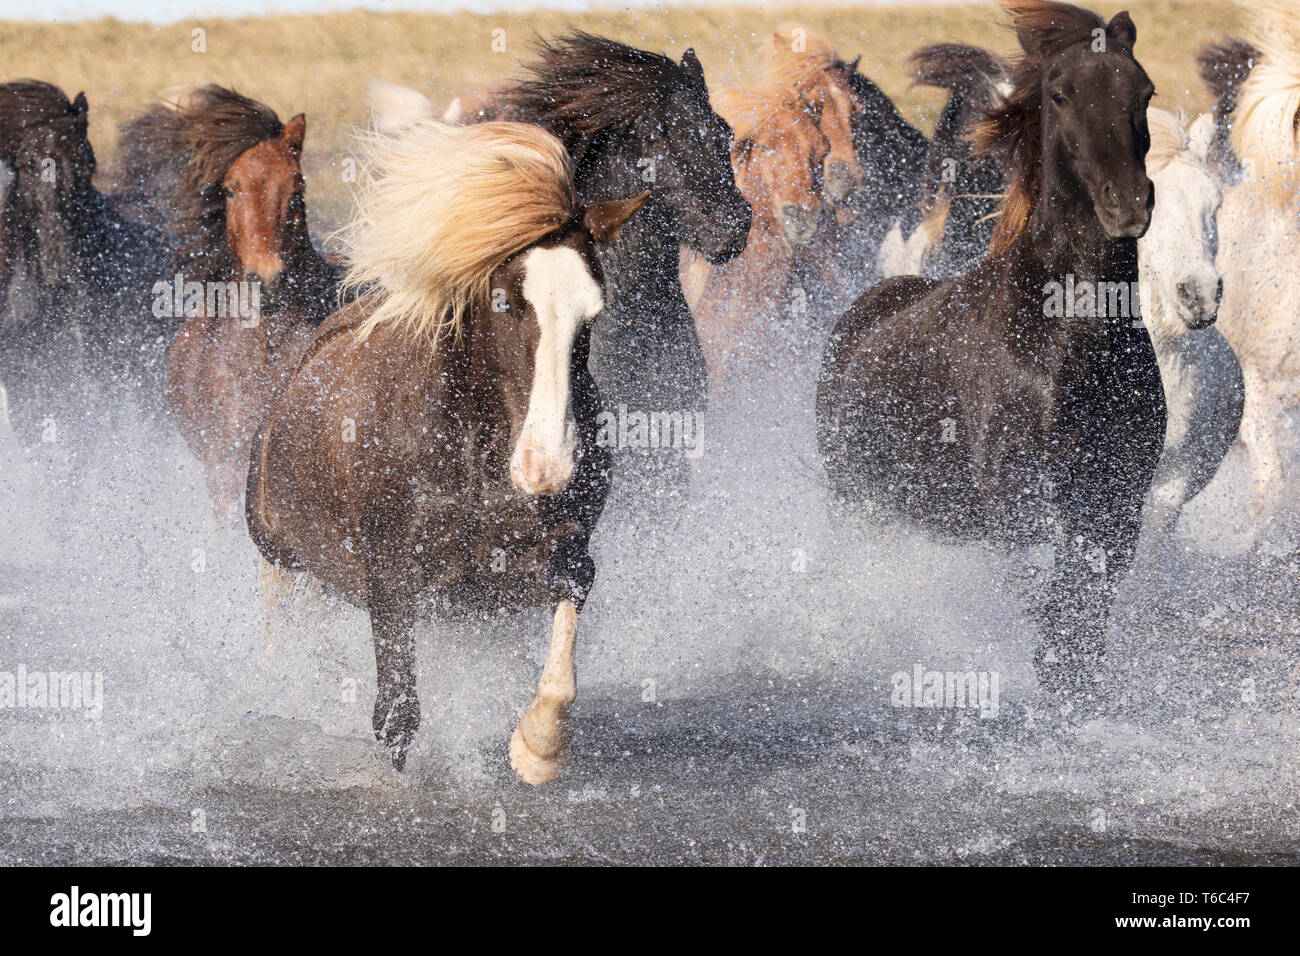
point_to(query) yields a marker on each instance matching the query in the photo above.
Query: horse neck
(644, 257)
(1064, 236)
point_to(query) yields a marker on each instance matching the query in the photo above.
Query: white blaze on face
(564, 294)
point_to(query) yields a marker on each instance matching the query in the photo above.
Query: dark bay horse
(438, 439)
(74, 275)
(246, 280)
(979, 409)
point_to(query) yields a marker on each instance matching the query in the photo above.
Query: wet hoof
(532, 767)
(395, 726)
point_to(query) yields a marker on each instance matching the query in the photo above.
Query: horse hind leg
(539, 747)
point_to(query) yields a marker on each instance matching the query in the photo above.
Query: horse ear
(1199, 136)
(604, 219)
(79, 105)
(295, 131)
(691, 64)
(1122, 28)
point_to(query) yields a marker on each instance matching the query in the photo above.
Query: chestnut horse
(448, 416)
(776, 156)
(978, 407)
(247, 278)
(795, 161)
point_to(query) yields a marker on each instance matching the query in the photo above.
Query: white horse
(1259, 253)
(1181, 289)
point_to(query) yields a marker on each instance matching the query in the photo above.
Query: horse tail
(968, 71)
(1224, 66)
(394, 107)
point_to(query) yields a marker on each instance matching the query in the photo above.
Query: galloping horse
(778, 152)
(796, 164)
(633, 120)
(985, 407)
(449, 413)
(74, 276)
(1259, 252)
(246, 278)
(1181, 290)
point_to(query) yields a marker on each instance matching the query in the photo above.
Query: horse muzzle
(841, 183)
(1198, 304)
(799, 223)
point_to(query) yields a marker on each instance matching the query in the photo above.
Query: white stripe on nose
(559, 286)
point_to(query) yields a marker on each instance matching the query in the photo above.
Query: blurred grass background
(322, 65)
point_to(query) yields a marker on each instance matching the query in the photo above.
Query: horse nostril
(1218, 293)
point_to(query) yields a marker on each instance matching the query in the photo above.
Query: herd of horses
(1010, 320)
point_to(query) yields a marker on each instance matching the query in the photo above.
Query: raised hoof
(395, 727)
(533, 768)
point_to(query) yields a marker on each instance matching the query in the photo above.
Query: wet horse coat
(966, 406)
(412, 445)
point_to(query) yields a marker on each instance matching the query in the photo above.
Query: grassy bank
(323, 64)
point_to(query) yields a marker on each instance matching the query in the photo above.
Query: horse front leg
(539, 747)
(397, 707)
(1075, 611)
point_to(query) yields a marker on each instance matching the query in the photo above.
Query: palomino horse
(1181, 289)
(449, 412)
(247, 280)
(1259, 251)
(960, 190)
(981, 407)
(633, 120)
(74, 276)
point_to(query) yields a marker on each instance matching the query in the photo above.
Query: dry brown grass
(322, 65)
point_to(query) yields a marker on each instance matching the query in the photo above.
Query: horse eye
(1058, 99)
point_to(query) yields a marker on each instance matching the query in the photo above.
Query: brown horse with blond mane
(447, 417)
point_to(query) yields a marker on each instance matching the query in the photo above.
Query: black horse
(974, 408)
(75, 277)
(633, 120)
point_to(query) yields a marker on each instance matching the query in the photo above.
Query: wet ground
(736, 690)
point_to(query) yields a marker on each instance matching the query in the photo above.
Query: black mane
(580, 86)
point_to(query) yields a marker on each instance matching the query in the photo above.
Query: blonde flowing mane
(1168, 138)
(788, 77)
(1264, 134)
(440, 208)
